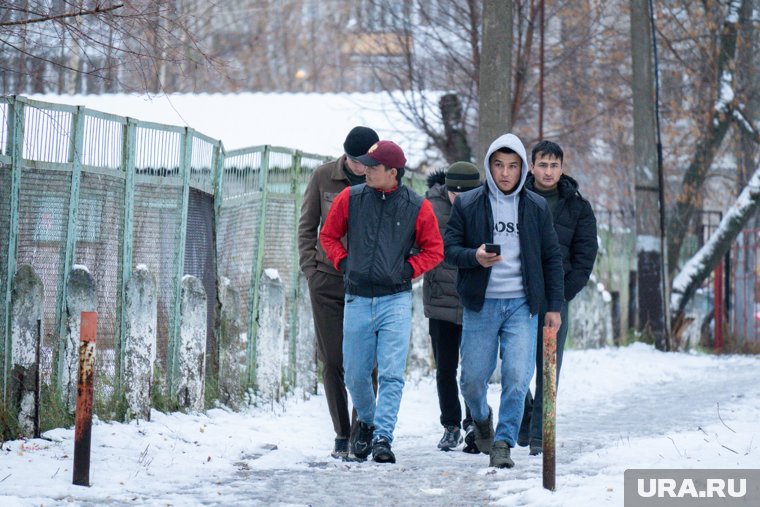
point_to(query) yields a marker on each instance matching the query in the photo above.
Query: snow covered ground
(631, 407)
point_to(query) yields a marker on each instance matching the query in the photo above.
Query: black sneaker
(470, 447)
(484, 433)
(500, 455)
(536, 447)
(340, 451)
(451, 438)
(381, 451)
(362, 440)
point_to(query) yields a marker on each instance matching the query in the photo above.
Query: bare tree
(495, 110)
(716, 121)
(71, 46)
(651, 294)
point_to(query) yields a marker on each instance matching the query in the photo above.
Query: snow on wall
(26, 311)
(270, 338)
(306, 359)
(232, 345)
(140, 341)
(191, 359)
(590, 315)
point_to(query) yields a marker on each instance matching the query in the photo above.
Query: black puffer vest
(439, 290)
(380, 239)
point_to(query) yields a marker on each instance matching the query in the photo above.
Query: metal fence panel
(102, 141)
(201, 170)
(238, 222)
(48, 133)
(236, 244)
(190, 208)
(199, 261)
(5, 227)
(43, 220)
(98, 246)
(155, 224)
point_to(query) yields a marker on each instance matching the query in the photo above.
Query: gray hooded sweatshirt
(506, 280)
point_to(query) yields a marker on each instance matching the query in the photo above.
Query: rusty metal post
(549, 408)
(83, 425)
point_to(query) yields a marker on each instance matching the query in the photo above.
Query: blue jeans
(506, 326)
(377, 330)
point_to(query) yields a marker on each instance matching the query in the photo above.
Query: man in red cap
(325, 283)
(382, 221)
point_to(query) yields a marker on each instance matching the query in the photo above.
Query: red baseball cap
(387, 153)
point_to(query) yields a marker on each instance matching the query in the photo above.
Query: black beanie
(359, 140)
(462, 176)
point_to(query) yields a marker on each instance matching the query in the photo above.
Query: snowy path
(618, 409)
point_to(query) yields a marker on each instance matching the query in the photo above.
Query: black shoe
(361, 445)
(451, 438)
(381, 451)
(536, 447)
(500, 455)
(470, 447)
(340, 451)
(484, 433)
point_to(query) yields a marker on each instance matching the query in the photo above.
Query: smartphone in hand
(493, 248)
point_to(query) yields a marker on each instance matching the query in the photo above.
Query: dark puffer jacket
(471, 225)
(439, 288)
(575, 224)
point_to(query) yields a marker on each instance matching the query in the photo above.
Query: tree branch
(744, 124)
(712, 136)
(43, 19)
(52, 62)
(702, 263)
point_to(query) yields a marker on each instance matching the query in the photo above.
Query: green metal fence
(79, 186)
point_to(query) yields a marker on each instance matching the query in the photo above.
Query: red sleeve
(428, 240)
(334, 228)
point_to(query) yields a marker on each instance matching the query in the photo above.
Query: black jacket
(575, 225)
(471, 225)
(439, 289)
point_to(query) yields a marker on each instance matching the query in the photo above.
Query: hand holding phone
(488, 254)
(493, 248)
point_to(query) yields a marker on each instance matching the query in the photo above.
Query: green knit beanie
(462, 176)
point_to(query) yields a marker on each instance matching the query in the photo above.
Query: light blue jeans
(377, 330)
(506, 326)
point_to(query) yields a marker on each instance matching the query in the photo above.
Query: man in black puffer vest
(325, 282)
(444, 310)
(575, 224)
(382, 221)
